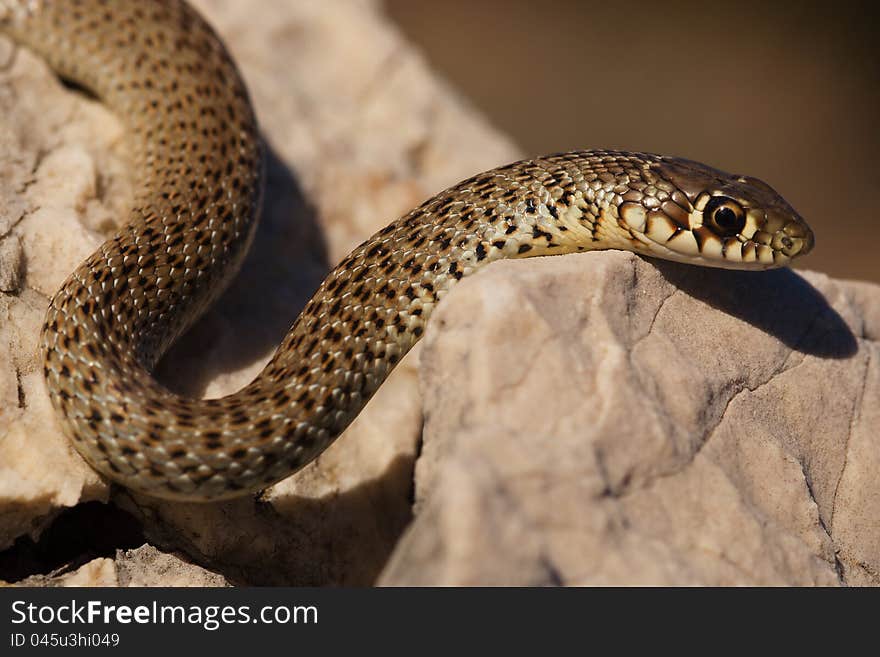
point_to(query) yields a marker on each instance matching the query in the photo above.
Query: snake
(197, 158)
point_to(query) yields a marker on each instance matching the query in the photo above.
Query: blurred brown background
(787, 92)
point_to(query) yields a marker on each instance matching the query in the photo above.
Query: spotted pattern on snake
(196, 155)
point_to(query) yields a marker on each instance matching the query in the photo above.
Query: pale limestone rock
(358, 132)
(144, 566)
(11, 264)
(97, 572)
(602, 419)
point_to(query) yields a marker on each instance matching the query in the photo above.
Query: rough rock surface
(358, 132)
(144, 566)
(603, 419)
(587, 420)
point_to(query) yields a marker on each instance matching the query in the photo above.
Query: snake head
(693, 213)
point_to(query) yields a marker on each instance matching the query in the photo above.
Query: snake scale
(196, 156)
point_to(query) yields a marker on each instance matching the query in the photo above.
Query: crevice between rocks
(855, 414)
(838, 566)
(76, 536)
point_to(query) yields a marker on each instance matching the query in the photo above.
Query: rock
(144, 566)
(11, 264)
(358, 132)
(97, 572)
(147, 566)
(603, 419)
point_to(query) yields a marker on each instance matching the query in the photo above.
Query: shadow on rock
(343, 538)
(778, 301)
(286, 264)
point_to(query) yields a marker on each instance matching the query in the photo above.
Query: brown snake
(196, 155)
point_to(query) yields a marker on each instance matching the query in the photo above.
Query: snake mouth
(762, 250)
(796, 239)
(756, 257)
(789, 236)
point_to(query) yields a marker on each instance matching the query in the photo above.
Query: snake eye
(725, 215)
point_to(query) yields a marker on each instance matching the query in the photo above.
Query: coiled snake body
(197, 159)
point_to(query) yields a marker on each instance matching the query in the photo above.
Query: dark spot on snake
(523, 248)
(499, 244)
(511, 228)
(377, 249)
